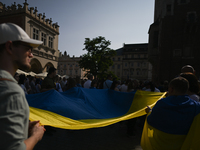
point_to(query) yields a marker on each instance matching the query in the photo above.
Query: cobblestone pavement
(112, 137)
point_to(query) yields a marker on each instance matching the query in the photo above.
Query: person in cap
(16, 52)
(49, 83)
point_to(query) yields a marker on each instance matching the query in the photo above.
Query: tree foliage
(97, 60)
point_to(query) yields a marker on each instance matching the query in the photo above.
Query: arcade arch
(36, 66)
(47, 66)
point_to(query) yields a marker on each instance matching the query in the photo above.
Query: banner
(80, 108)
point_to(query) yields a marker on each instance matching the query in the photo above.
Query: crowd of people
(32, 85)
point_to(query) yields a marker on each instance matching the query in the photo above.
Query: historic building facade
(69, 66)
(131, 62)
(174, 38)
(37, 27)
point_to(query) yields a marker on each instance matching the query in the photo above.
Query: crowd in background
(32, 85)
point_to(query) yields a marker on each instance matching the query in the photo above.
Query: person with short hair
(32, 85)
(107, 84)
(37, 85)
(115, 85)
(16, 132)
(48, 82)
(58, 86)
(87, 83)
(193, 90)
(124, 86)
(170, 119)
(93, 84)
(22, 79)
(71, 83)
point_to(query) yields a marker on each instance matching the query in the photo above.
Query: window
(135, 56)
(118, 58)
(183, 1)
(191, 17)
(187, 52)
(125, 64)
(50, 42)
(132, 71)
(125, 72)
(138, 72)
(35, 34)
(113, 67)
(132, 64)
(113, 59)
(118, 66)
(169, 8)
(144, 64)
(43, 38)
(144, 72)
(76, 72)
(138, 64)
(177, 52)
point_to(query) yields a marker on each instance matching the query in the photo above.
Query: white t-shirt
(124, 88)
(87, 84)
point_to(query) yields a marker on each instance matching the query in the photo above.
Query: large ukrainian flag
(80, 108)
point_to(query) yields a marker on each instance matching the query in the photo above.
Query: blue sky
(119, 21)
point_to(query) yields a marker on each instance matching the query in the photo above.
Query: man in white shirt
(107, 84)
(87, 84)
(16, 132)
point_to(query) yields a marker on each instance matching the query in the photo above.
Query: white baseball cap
(13, 32)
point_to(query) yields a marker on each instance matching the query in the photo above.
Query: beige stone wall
(29, 18)
(44, 54)
(69, 66)
(132, 62)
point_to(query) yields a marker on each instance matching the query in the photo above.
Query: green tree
(97, 60)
